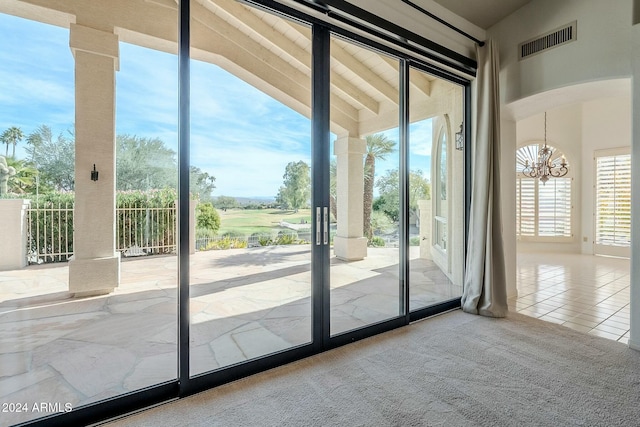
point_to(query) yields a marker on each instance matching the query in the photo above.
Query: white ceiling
(483, 13)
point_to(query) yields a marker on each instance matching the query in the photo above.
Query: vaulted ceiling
(269, 52)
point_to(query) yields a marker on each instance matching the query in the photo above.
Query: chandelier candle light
(546, 167)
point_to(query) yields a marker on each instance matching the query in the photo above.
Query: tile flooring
(587, 293)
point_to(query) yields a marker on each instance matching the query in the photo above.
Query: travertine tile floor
(587, 293)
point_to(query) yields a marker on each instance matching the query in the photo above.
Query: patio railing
(139, 231)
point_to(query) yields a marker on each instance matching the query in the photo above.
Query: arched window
(440, 195)
(543, 210)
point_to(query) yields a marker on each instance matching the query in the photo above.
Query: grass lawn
(249, 221)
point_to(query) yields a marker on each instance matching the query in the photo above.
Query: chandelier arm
(558, 172)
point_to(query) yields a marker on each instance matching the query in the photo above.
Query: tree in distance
(226, 202)
(141, 164)
(388, 186)
(53, 158)
(295, 191)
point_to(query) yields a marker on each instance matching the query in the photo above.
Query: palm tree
(11, 136)
(378, 146)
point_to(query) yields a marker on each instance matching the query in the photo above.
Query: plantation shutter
(543, 210)
(554, 208)
(613, 204)
(526, 207)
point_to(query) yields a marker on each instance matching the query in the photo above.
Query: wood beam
(417, 79)
(383, 87)
(341, 84)
(340, 55)
(262, 68)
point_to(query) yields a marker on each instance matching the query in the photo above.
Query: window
(441, 198)
(543, 210)
(613, 202)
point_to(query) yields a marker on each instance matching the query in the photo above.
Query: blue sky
(238, 134)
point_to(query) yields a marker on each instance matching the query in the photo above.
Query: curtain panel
(485, 288)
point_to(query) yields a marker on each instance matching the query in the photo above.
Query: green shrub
(376, 242)
(207, 217)
(286, 238)
(414, 241)
(264, 239)
(381, 223)
(226, 243)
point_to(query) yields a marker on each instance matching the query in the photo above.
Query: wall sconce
(94, 173)
(460, 138)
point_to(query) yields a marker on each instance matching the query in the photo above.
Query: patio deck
(245, 303)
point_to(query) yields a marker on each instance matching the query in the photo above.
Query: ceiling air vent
(563, 35)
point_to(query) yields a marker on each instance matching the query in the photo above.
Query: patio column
(95, 266)
(349, 243)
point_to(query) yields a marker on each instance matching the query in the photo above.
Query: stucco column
(349, 243)
(95, 267)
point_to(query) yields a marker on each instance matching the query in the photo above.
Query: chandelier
(545, 167)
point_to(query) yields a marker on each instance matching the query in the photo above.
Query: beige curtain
(485, 288)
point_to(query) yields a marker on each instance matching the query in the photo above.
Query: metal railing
(146, 231)
(139, 231)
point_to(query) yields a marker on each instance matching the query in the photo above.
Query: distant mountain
(253, 200)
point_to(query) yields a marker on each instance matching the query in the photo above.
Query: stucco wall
(602, 50)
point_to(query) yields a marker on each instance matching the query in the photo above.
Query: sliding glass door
(221, 187)
(436, 190)
(250, 170)
(365, 200)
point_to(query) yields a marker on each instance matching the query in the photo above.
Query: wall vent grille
(563, 35)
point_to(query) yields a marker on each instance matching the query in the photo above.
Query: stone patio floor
(244, 303)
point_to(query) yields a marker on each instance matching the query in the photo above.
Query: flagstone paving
(244, 304)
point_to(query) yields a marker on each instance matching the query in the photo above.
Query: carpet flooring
(455, 369)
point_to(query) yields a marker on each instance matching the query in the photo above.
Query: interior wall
(601, 51)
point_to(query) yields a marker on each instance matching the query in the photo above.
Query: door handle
(318, 228)
(326, 225)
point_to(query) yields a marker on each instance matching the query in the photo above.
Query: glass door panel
(436, 190)
(365, 202)
(250, 279)
(89, 312)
